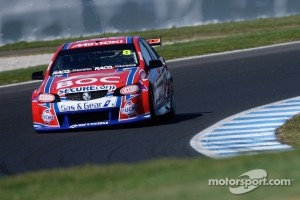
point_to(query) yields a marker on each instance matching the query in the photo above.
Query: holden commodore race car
(100, 82)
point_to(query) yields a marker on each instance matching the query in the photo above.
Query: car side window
(154, 55)
(146, 55)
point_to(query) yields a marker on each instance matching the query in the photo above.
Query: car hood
(90, 81)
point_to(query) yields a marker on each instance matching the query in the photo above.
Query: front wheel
(151, 104)
(171, 114)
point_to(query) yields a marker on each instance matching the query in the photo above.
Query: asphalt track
(208, 90)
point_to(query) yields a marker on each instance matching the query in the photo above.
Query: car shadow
(159, 121)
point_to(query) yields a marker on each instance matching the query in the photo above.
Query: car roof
(99, 42)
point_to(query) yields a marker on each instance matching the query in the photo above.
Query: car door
(157, 76)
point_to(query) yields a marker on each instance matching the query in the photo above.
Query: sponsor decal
(89, 124)
(86, 89)
(68, 107)
(106, 103)
(129, 109)
(130, 79)
(85, 81)
(130, 89)
(123, 66)
(61, 72)
(112, 79)
(82, 70)
(100, 43)
(86, 76)
(127, 52)
(81, 106)
(47, 116)
(104, 67)
(44, 98)
(114, 67)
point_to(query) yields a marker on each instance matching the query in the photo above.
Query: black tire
(172, 113)
(151, 104)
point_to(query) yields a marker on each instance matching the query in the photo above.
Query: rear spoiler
(154, 42)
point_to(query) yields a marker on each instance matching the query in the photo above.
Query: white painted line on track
(247, 132)
(241, 142)
(244, 131)
(229, 126)
(264, 116)
(258, 120)
(241, 135)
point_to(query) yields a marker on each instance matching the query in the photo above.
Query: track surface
(207, 90)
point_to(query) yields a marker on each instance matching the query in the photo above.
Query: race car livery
(100, 82)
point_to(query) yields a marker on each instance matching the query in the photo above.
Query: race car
(101, 82)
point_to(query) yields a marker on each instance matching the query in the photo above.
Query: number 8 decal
(126, 52)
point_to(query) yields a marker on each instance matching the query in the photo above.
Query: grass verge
(289, 133)
(161, 179)
(19, 75)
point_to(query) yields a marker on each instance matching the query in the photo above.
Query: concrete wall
(30, 20)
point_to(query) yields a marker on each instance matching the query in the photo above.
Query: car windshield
(94, 58)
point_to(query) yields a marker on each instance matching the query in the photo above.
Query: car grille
(79, 96)
(89, 117)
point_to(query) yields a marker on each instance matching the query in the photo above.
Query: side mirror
(155, 64)
(37, 75)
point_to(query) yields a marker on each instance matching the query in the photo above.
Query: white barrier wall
(28, 20)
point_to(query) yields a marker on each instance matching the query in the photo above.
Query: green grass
(228, 43)
(160, 179)
(19, 75)
(172, 178)
(289, 133)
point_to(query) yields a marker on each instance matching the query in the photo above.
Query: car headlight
(130, 89)
(46, 98)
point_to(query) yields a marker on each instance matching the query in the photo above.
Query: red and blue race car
(100, 82)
